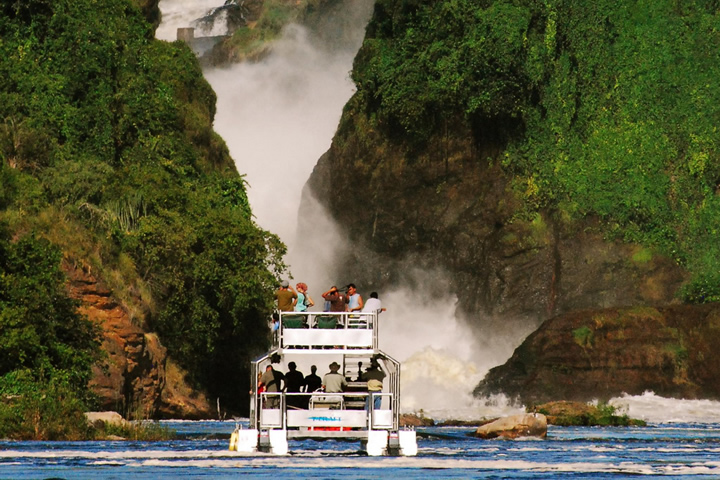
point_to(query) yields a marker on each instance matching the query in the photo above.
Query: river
(671, 450)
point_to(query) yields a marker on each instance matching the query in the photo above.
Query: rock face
(451, 207)
(133, 378)
(599, 354)
(515, 426)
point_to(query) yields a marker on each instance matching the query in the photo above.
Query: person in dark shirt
(338, 300)
(294, 382)
(374, 375)
(312, 383)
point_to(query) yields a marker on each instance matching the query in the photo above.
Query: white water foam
(278, 117)
(655, 409)
(438, 460)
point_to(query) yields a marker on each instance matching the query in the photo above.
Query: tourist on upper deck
(337, 299)
(373, 304)
(303, 299)
(333, 381)
(355, 301)
(286, 297)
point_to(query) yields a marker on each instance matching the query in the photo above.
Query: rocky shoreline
(559, 413)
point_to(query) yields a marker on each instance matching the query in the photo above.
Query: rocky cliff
(135, 376)
(451, 207)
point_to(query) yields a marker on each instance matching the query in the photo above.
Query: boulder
(108, 418)
(415, 420)
(515, 426)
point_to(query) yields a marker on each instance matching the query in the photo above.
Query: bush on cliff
(107, 146)
(584, 414)
(601, 108)
(46, 347)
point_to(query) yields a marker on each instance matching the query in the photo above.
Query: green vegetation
(107, 154)
(583, 336)
(602, 109)
(146, 431)
(587, 415)
(249, 41)
(47, 408)
(46, 347)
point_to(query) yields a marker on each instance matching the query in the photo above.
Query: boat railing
(326, 330)
(327, 410)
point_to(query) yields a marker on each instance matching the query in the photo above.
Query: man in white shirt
(373, 304)
(334, 382)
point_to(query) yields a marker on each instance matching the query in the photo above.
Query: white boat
(350, 339)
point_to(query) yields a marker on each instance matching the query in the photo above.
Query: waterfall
(278, 116)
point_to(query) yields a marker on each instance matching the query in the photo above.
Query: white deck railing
(327, 329)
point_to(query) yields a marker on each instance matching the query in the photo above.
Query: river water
(674, 450)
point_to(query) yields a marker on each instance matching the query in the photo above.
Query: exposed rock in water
(577, 413)
(136, 376)
(515, 426)
(601, 354)
(109, 417)
(413, 420)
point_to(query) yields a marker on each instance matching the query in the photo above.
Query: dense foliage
(603, 108)
(40, 327)
(46, 347)
(107, 150)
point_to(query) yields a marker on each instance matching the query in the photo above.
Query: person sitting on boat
(286, 297)
(333, 382)
(337, 300)
(313, 381)
(374, 376)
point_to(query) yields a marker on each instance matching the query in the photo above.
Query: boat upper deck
(319, 331)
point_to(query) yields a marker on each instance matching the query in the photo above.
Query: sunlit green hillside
(606, 109)
(107, 151)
